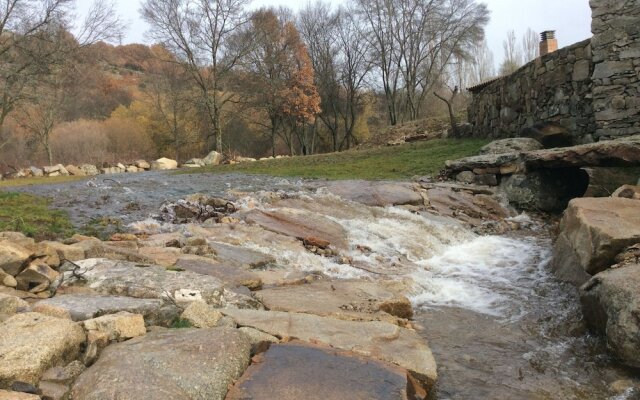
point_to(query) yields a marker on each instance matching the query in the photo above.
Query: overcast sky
(571, 19)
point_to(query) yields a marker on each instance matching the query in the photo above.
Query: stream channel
(499, 325)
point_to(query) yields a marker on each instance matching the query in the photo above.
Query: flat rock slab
(232, 275)
(122, 278)
(31, 343)
(378, 194)
(295, 371)
(598, 229)
(611, 306)
(379, 340)
(338, 299)
(177, 364)
(236, 256)
(300, 225)
(82, 307)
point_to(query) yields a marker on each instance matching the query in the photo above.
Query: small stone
(10, 305)
(53, 391)
(201, 315)
(7, 280)
(120, 326)
(316, 242)
(466, 177)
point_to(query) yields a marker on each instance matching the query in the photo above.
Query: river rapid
(500, 326)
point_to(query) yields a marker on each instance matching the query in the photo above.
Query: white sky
(571, 19)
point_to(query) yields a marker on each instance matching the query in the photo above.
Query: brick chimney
(548, 43)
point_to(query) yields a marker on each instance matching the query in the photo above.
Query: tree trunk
(452, 117)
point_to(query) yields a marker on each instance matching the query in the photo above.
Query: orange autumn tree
(278, 76)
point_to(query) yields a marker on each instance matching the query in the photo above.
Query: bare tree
(512, 54)
(414, 41)
(199, 33)
(482, 65)
(530, 45)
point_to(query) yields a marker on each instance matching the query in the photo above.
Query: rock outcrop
(592, 232)
(611, 306)
(378, 194)
(178, 364)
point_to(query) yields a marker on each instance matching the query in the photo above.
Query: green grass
(397, 162)
(39, 181)
(32, 216)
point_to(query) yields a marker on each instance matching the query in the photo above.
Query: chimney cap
(548, 35)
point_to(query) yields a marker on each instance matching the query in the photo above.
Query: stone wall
(616, 77)
(554, 88)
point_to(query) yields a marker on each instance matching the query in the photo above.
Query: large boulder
(376, 193)
(294, 371)
(89, 169)
(545, 190)
(376, 339)
(213, 158)
(299, 224)
(513, 145)
(81, 307)
(75, 171)
(179, 364)
(163, 164)
(31, 343)
(611, 307)
(592, 232)
(123, 278)
(13, 257)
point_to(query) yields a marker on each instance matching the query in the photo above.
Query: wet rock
(596, 230)
(512, 145)
(547, 190)
(295, 371)
(380, 340)
(10, 395)
(611, 306)
(153, 282)
(164, 164)
(195, 208)
(628, 191)
(466, 207)
(376, 193)
(119, 326)
(300, 225)
(338, 299)
(13, 257)
(31, 343)
(86, 306)
(178, 364)
(201, 315)
(229, 275)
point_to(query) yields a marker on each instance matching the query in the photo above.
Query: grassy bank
(32, 216)
(397, 162)
(39, 181)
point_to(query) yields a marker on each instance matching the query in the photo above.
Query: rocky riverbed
(296, 289)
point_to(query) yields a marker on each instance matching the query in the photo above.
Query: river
(499, 324)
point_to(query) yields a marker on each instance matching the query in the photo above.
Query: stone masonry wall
(616, 77)
(553, 88)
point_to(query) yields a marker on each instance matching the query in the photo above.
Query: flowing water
(498, 323)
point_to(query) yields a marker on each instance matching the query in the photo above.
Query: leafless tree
(199, 33)
(483, 64)
(530, 45)
(414, 41)
(512, 54)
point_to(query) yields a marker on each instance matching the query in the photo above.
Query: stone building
(590, 89)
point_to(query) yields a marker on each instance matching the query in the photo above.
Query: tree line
(222, 76)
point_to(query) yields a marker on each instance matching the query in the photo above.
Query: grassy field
(39, 181)
(32, 216)
(397, 162)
